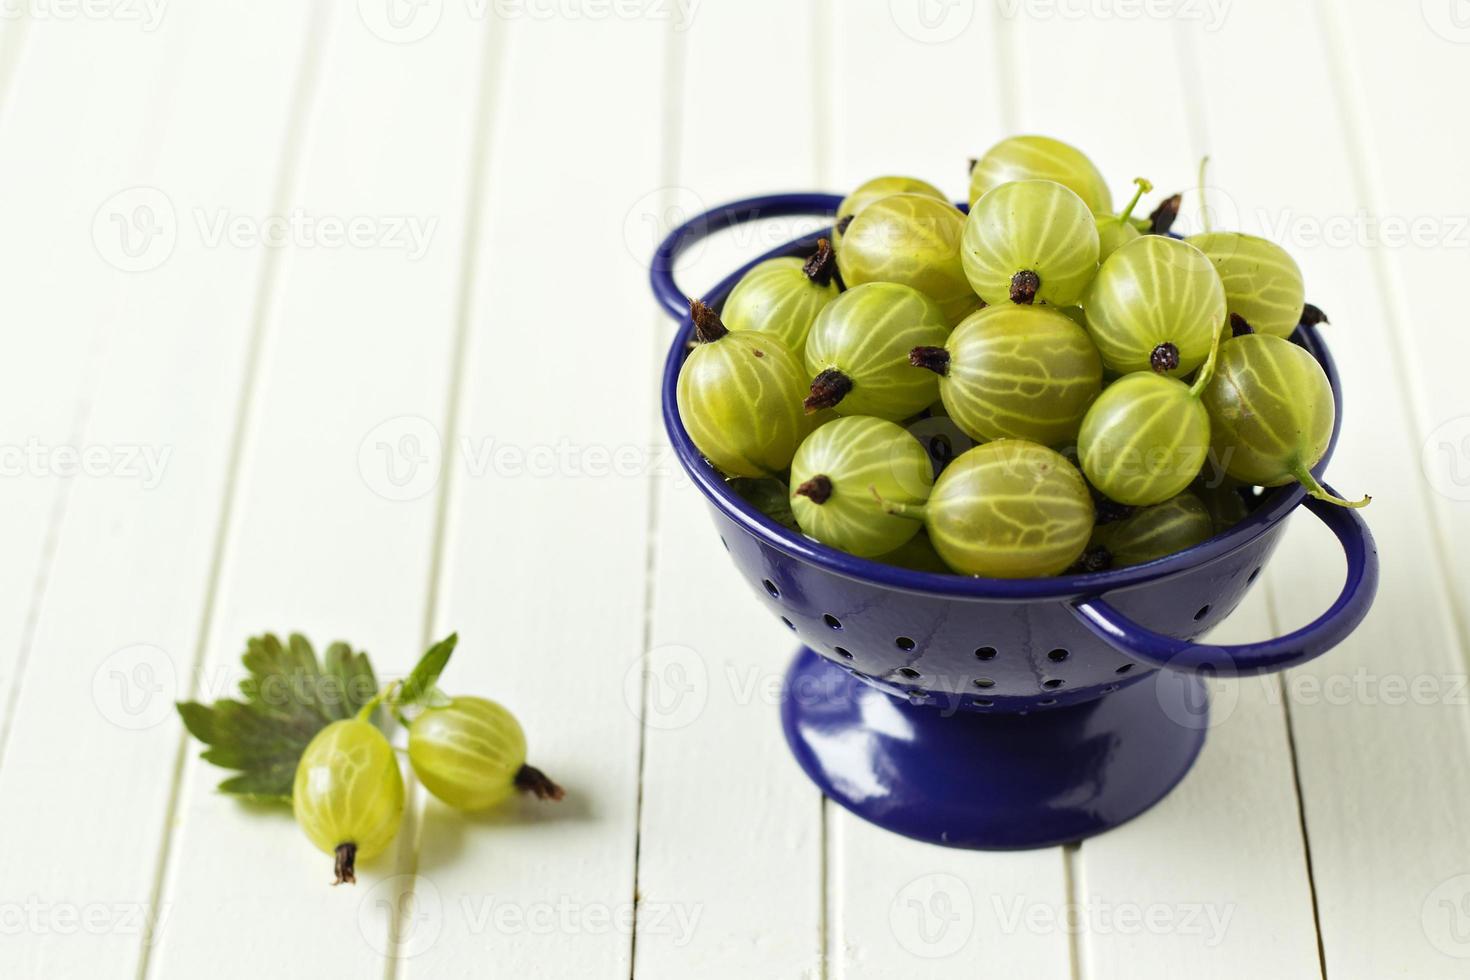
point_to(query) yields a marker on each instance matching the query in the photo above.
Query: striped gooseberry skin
(1009, 509)
(1154, 291)
(858, 455)
(468, 752)
(866, 334)
(1144, 439)
(911, 239)
(1113, 232)
(740, 400)
(778, 298)
(1040, 158)
(1030, 225)
(872, 190)
(1263, 284)
(1271, 410)
(348, 789)
(1025, 372)
(1153, 532)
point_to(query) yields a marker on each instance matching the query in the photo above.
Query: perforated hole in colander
(908, 672)
(984, 682)
(1124, 669)
(1203, 612)
(986, 653)
(845, 654)
(1053, 684)
(789, 624)
(1058, 655)
(832, 621)
(771, 588)
(904, 643)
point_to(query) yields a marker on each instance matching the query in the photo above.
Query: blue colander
(999, 713)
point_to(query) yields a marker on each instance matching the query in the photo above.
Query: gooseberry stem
(365, 713)
(822, 264)
(531, 780)
(345, 864)
(1144, 186)
(1204, 204)
(1305, 478)
(708, 327)
(829, 387)
(1208, 370)
(914, 512)
(818, 489)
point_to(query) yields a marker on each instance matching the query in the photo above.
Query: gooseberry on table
(348, 793)
(471, 753)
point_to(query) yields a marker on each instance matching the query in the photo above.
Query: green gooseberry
(857, 354)
(783, 296)
(1040, 158)
(1263, 285)
(1116, 230)
(1156, 304)
(1153, 532)
(1271, 414)
(1222, 499)
(767, 495)
(838, 470)
(876, 189)
(1030, 241)
(740, 398)
(1006, 509)
(917, 555)
(1146, 437)
(1025, 372)
(912, 239)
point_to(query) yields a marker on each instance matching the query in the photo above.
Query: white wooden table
(332, 317)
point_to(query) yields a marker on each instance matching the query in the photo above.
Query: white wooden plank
(730, 825)
(1381, 818)
(89, 765)
(1133, 117)
(896, 907)
(546, 547)
(335, 509)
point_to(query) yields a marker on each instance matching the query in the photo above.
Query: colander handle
(1317, 637)
(674, 299)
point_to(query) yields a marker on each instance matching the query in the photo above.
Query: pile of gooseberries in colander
(1041, 386)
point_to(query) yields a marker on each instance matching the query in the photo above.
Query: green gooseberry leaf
(418, 686)
(286, 697)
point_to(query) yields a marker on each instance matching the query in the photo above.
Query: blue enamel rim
(1273, 508)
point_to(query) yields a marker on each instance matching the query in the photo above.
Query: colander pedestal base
(992, 781)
